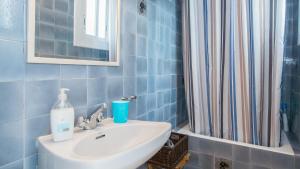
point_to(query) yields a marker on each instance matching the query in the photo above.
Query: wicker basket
(169, 157)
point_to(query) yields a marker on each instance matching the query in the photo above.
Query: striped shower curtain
(233, 56)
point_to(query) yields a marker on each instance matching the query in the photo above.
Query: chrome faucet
(94, 120)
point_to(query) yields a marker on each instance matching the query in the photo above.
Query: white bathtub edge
(286, 148)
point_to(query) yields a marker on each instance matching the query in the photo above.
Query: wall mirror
(83, 32)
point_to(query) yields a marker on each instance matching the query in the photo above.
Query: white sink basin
(112, 146)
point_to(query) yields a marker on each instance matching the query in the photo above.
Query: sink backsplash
(151, 68)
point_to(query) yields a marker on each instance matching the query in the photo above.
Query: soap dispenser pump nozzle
(62, 94)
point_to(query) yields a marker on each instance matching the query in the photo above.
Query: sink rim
(119, 153)
(72, 156)
(160, 132)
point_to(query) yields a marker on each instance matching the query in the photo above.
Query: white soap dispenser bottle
(62, 118)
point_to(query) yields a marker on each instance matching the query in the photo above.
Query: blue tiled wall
(151, 68)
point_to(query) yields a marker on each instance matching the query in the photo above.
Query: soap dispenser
(62, 118)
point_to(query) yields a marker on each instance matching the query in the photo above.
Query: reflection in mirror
(91, 25)
(74, 32)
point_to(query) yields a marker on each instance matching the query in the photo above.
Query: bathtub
(209, 150)
(285, 148)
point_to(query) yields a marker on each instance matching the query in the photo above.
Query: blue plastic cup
(120, 111)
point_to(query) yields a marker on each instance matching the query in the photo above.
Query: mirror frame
(31, 58)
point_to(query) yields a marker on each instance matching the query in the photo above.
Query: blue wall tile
(151, 102)
(78, 91)
(151, 66)
(141, 105)
(174, 95)
(159, 114)
(11, 101)
(129, 65)
(11, 142)
(97, 91)
(30, 162)
(141, 66)
(160, 99)
(12, 20)
(40, 97)
(128, 46)
(151, 84)
(114, 88)
(42, 72)
(141, 83)
(129, 86)
(35, 127)
(14, 165)
(115, 71)
(143, 117)
(73, 71)
(141, 46)
(167, 112)
(151, 116)
(12, 60)
(130, 19)
(132, 110)
(96, 71)
(167, 97)
(142, 26)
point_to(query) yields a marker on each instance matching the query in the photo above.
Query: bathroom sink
(111, 146)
